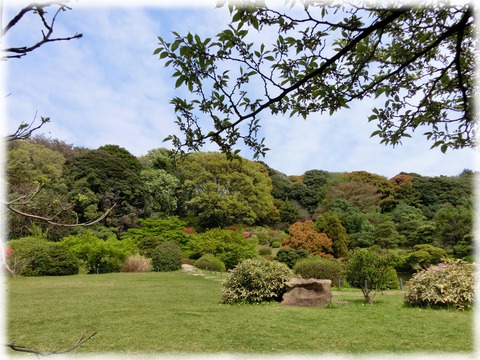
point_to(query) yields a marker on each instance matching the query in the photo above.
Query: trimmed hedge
(319, 268)
(210, 262)
(167, 257)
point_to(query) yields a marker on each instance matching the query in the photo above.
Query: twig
(82, 340)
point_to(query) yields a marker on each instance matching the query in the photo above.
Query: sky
(109, 88)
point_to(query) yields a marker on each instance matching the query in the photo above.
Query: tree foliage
(224, 192)
(330, 224)
(368, 270)
(304, 236)
(417, 59)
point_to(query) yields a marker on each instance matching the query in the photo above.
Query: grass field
(180, 313)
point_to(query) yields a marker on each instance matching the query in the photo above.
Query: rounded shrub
(288, 256)
(391, 281)
(265, 251)
(210, 262)
(256, 280)
(448, 284)
(167, 257)
(276, 244)
(319, 268)
(44, 258)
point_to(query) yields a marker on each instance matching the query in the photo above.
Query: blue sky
(108, 88)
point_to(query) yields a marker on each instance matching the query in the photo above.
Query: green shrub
(137, 263)
(448, 284)
(391, 281)
(230, 246)
(146, 245)
(98, 255)
(43, 258)
(265, 251)
(276, 244)
(317, 267)
(424, 255)
(167, 257)
(210, 262)
(288, 256)
(256, 280)
(369, 270)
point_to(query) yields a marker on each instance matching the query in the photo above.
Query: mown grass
(180, 313)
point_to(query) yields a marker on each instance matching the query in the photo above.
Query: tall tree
(98, 180)
(419, 59)
(221, 192)
(330, 224)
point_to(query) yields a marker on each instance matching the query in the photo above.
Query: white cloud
(108, 88)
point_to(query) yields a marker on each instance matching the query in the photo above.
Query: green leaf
(179, 81)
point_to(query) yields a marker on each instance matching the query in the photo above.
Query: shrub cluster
(43, 258)
(290, 256)
(265, 251)
(256, 280)
(448, 284)
(210, 262)
(137, 263)
(167, 257)
(317, 267)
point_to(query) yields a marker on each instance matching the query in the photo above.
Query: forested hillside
(207, 204)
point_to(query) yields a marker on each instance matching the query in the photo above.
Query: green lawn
(181, 313)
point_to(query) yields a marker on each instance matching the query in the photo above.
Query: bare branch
(39, 9)
(24, 131)
(51, 222)
(84, 337)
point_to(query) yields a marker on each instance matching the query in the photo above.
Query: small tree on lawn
(369, 271)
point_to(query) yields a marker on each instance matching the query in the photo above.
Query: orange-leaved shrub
(304, 236)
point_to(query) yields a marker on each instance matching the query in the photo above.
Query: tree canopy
(318, 57)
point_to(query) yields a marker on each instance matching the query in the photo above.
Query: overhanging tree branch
(39, 9)
(316, 64)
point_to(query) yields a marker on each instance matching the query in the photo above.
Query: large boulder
(308, 292)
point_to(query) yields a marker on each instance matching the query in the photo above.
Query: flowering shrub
(8, 252)
(447, 284)
(256, 280)
(189, 230)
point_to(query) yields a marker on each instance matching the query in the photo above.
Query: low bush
(319, 268)
(167, 257)
(265, 251)
(290, 256)
(98, 255)
(39, 257)
(137, 263)
(256, 280)
(448, 284)
(210, 262)
(276, 244)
